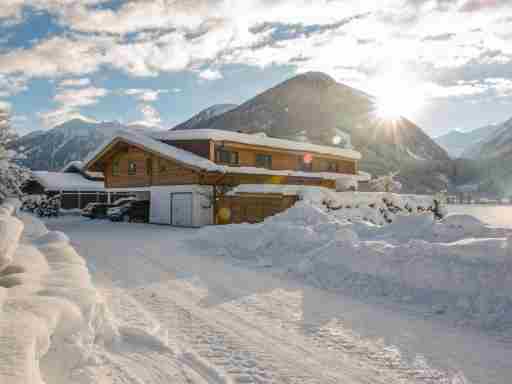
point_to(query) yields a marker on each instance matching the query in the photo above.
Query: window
(328, 166)
(132, 168)
(162, 166)
(115, 167)
(264, 161)
(149, 166)
(226, 157)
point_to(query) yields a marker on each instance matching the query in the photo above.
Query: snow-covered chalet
(200, 177)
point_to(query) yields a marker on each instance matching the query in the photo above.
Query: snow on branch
(386, 184)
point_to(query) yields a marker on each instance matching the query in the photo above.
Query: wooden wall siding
(252, 208)
(123, 179)
(282, 160)
(199, 147)
(177, 174)
(174, 174)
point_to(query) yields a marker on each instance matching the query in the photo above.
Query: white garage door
(181, 209)
(160, 207)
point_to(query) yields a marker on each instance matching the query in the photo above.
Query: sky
(444, 64)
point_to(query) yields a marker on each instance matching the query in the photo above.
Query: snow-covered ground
(295, 300)
(498, 215)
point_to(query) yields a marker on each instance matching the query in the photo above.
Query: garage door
(181, 209)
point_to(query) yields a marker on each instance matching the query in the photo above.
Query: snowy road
(252, 327)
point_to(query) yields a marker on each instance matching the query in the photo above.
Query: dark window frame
(149, 166)
(162, 166)
(132, 168)
(225, 156)
(264, 160)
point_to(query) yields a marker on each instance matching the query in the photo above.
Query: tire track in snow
(248, 354)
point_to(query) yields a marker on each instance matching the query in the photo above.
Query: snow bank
(51, 316)
(10, 233)
(471, 276)
(334, 240)
(278, 241)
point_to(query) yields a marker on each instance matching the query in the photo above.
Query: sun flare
(396, 98)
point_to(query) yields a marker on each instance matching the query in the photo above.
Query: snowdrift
(334, 241)
(50, 313)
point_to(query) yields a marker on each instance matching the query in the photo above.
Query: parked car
(133, 211)
(99, 210)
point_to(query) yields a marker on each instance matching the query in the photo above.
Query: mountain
(206, 114)
(462, 143)
(488, 161)
(72, 140)
(314, 107)
(497, 145)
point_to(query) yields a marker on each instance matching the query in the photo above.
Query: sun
(390, 108)
(396, 97)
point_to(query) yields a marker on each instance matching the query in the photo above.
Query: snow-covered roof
(243, 138)
(73, 164)
(191, 159)
(309, 175)
(281, 189)
(60, 181)
(163, 149)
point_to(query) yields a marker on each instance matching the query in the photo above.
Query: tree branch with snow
(386, 183)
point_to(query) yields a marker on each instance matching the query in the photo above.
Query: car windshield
(123, 201)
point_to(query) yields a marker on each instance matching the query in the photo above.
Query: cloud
(59, 116)
(57, 56)
(441, 37)
(5, 105)
(74, 83)
(210, 74)
(478, 5)
(74, 98)
(150, 115)
(352, 40)
(143, 94)
(11, 85)
(70, 100)
(501, 86)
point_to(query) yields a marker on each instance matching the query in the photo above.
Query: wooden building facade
(212, 162)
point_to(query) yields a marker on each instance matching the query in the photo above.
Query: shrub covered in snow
(386, 184)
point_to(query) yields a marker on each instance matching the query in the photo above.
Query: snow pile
(51, 315)
(319, 216)
(470, 276)
(10, 233)
(456, 265)
(277, 241)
